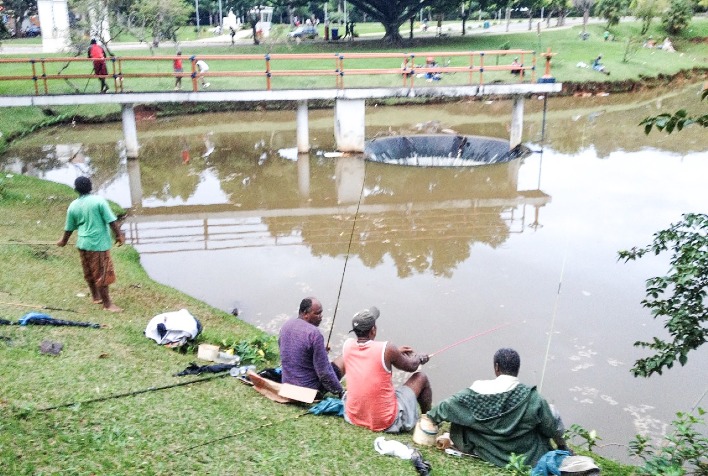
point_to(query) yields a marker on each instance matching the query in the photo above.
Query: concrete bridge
(349, 102)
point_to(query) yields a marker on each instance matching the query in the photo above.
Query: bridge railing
(58, 75)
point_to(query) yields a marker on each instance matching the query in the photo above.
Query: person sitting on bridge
(432, 75)
(98, 54)
(495, 418)
(516, 66)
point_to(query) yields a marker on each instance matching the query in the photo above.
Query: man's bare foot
(97, 301)
(113, 308)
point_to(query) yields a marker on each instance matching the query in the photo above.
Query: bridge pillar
(130, 131)
(517, 121)
(303, 133)
(349, 125)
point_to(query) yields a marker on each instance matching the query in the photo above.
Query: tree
(678, 16)
(163, 17)
(611, 10)
(646, 10)
(391, 14)
(584, 6)
(680, 296)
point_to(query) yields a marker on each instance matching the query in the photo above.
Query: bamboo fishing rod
(49, 243)
(131, 394)
(33, 306)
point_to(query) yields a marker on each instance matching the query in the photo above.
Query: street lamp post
(196, 7)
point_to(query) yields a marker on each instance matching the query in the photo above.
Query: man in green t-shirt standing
(94, 219)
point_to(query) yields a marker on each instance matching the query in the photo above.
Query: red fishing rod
(468, 338)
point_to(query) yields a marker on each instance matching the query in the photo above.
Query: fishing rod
(346, 260)
(553, 318)
(32, 306)
(488, 331)
(131, 394)
(29, 243)
(242, 432)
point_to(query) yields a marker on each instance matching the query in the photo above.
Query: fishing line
(553, 319)
(346, 260)
(130, 394)
(468, 338)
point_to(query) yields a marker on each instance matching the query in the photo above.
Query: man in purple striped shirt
(303, 354)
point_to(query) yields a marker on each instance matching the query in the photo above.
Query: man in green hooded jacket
(495, 418)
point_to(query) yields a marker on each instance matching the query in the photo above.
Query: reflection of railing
(129, 72)
(153, 234)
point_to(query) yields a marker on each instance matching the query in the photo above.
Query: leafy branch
(677, 121)
(680, 296)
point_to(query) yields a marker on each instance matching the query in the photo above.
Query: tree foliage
(646, 10)
(611, 10)
(677, 121)
(163, 17)
(680, 296)
(678, 16)
(391, 14)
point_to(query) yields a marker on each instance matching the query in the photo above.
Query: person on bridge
(203, 67)
(494, 418)
(177, 66)
(98, 54)
(94, 220)
(303, 352)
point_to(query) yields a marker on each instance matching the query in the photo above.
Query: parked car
(32, 31)
(304, 31)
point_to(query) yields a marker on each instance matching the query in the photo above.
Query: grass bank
(217, 426)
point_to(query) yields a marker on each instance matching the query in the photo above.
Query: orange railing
(369, 67)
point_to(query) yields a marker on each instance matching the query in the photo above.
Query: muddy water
(224, 210)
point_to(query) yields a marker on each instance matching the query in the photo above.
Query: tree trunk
(508, 18)
(586, 16)
(464, 22)
(392, 35)
(412, 22)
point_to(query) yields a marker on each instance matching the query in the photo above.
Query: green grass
(154, 432)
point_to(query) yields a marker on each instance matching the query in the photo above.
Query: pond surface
(223, 209)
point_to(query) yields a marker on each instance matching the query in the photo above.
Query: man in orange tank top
(371, 400)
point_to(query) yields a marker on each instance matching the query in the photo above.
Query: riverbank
(217, 426)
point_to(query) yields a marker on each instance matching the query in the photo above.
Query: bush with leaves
(680, 296)
(684, 451)
(677, 17)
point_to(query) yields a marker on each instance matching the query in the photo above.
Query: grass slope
(214, 427)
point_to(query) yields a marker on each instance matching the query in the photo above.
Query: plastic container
(224, 358)
(208, 352)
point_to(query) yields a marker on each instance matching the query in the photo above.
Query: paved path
(243, 37)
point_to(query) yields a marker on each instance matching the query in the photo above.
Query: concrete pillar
(54, 22)
(134, 183)
(303, 175)
(303, 133)
(130, 132)
(349, 125)
(517, 121)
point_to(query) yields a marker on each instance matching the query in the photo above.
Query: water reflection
(424, 220)
(444, 253)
